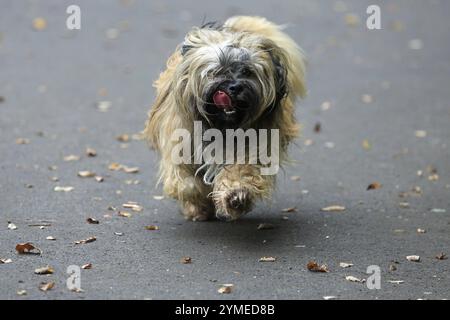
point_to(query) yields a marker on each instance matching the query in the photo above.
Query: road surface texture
(381, 98)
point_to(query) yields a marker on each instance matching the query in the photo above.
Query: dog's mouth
(223, 101)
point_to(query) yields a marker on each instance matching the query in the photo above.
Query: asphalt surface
(381, 98)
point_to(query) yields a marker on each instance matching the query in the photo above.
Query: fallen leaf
(404, 205)
(22, 292)
(265, 226)
(366, 144)
(90, 152)
(103, 106)
(433, 177)
(151, 227)
(413, 258)
(12, 226)
(186, 260)
(315, 267)
(334, 208)
(92, 221)
(374, 186)
(63, 189)
(396, 281)
(354, 279)
(44, 270)
(441, 256)
(86, 266)
(27, 248)
(39, 24)
(71, 157)
(45, 286)
(351, 19)
(290, 209)
(345, 265)
(226, 288)
(133, 206)
(124, 214)
(123, 138)
(130, 169)
(267, 259)
(420, 133)
(86, 174)
(88, 240)
(22, 141)
(317, 127)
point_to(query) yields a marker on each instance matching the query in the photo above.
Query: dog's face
(229, 80)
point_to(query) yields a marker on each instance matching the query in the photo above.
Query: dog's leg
(179, 183)
(237, 187)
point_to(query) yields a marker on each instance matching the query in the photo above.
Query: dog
(246, 73)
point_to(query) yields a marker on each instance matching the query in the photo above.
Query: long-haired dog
(246, 73)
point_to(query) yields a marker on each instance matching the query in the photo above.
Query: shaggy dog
(245, 74)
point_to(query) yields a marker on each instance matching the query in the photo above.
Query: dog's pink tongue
(221, 99)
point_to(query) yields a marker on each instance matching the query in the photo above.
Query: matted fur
(179, 90)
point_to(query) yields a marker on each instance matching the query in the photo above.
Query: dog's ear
(280, 76)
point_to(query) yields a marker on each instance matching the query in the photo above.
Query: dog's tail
(295, 55)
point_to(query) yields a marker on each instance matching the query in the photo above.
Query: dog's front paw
(195, 213)
(230, 205)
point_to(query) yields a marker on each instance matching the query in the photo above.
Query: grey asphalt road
(381, 98)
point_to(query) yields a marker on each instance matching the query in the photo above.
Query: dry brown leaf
(345, 265)
(267, 259)
(124, 214)
(133, 206)
(90, 152)
(413, 258)
(71, 157)
(374, 186)
(315, 267)
(88, 240)
(5, 261)
(334, 208)
(265, 226)
(92, 221)
(86, 266)
(130, 169)
(123, 138)
(44, 270)
(226, 288)
(186, 260)
(441, 256)
(151, 227)
(11, 226)
(354, 279)
(63, 189)
(86, 174)
(45, 286)
(291, 209)
(39, 24)
(115, 166)
(27, 248)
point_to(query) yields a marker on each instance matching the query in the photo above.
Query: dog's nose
(235, 88)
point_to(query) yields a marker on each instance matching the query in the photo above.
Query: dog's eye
(246, 72)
